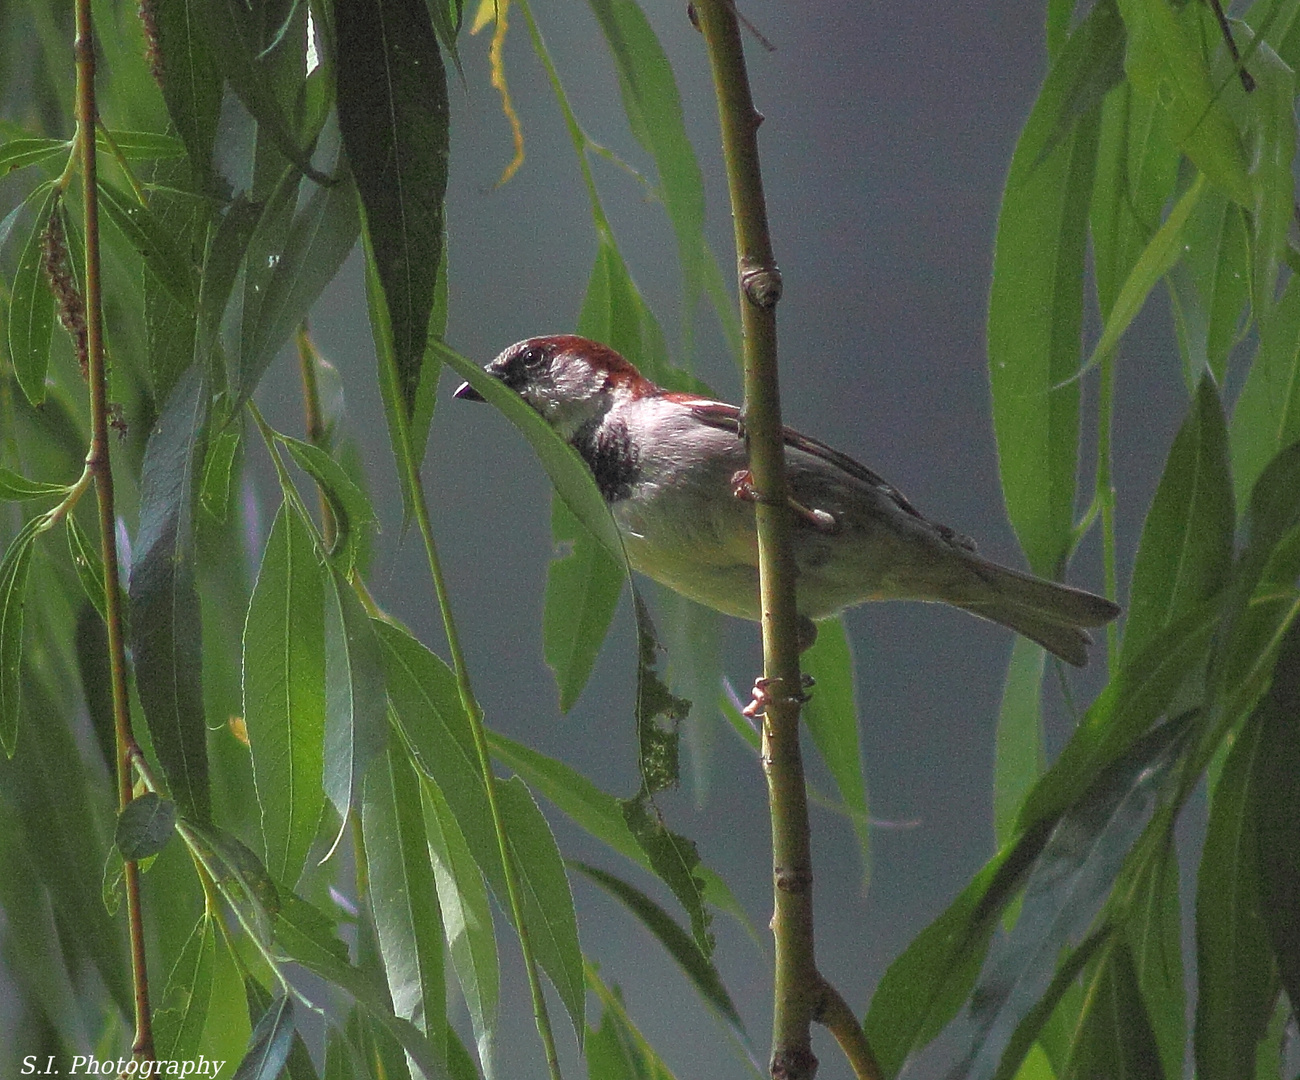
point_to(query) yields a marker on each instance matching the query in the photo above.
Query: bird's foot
(763, 697)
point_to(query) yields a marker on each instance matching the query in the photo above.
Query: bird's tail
(1056, 616)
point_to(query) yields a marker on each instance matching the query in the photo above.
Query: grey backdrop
(887, 136)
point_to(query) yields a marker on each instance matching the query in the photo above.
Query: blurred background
(886, 141)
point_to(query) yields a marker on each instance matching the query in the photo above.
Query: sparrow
(673, 468)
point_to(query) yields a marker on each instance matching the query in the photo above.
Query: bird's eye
(533, 357)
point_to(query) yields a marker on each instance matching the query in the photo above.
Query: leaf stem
(1105, 492)
(841, 1022)
(314, 420)
(98, 462)
(798, 988)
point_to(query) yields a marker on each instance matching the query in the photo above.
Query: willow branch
(797, 986)
(99, 464)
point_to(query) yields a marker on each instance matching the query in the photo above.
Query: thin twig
(314, 420)
(843, 1024)
(98, 462)
(797, 985)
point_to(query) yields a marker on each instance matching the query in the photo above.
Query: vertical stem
(100, 466)
(1106, 493)
(314, 421)
(798, 989)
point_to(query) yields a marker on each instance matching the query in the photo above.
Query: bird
(673, 469)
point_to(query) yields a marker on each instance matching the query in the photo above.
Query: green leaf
(142, 145)
(583, 586)
(1072, 876)
(1266, 417)
(832, 719)
(165, 614)
(319, 239)
(31, 309)
(1234, 970)
(284, 692)
(14, 568)
(1154, 932)
(1036, 305)
(1115, 1037)
(547, 899)
(268, 1047)
(218, 471)
(1018, 758)
(1164, 62)
(353, 512)
(403, 896)
(617, 1050)
(16, 488)
(1185, 554)
(1278, 823)
(308, 937)
(614, 313)
(19, 153)
(679, 944)
(298, 1065)
(192, 82)
(90, 569)
(184, 1012)
(393, 116)
(466, 919)
(144, 826)
(147, 234)
(356, 721)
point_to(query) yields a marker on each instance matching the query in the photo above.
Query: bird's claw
(758, 707)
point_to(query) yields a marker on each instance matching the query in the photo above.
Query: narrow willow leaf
(393, 116)
(180, 1021)
(466, 920)
(570, 475)
(144, 826)
(1036, 305)
(1164, 61)
(227, 245)
(307, 937)
(16, 488)
(614, 313)
(1266, 417)
(617, 1050)
(353, 513)
(14, 568)
(1278, 774)
(926, 986)
(1018, 760)
(154, 243)
(262, 256)
(547, 898)
(219, 470)
(142, 145)
(19, 153)
(90, 568)
(319, 239)
(1163, 250)
(269, 1044)
(1072, 876)
(1154, 932)
(1115, 1037)
(356, 721)
(1185, 553)
(31, 310)
(284, 693)
(403, 896)
(192, 82)
(298, 1065)
(583, 586)
(832, 719)
(240, 875)
(165, 617)
(679, 944)
(1234, 970)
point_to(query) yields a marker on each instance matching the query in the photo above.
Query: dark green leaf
(1073, 874)
(239, 873)
(1115, 1039)
(145, 826)
(191, 76)
(1278, 826)
(14, 568)
(832, 719)
(547, 899)
(16, 488)
(90, 567)
(146, 145)
(298, 1065)
(681, 947)
(583, 586)
(218, 472)
(658, 710)
(617, 1050)
(1036, 306)
(184, 1012)
(1164, 61)
(1019, 755)
(393, 116)
(268, 1048)
(284, 692)
(225, 251)
(356, 720)
(1234, 967)
(614, 313)
(1154, 932)
(165, 615)
(155, 244)
(319, 239)
(262, 257)
(19, 153)
(1185, 553)
(353, 513)
(403, 897)
(31, 310)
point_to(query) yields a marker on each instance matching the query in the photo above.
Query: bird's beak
(467, 393)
